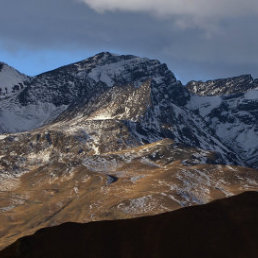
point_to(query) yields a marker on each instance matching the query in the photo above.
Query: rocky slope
(137, 93)
(224, 228)
(61, 183)
(117, 137)
(11, 81)
(227, 86)
(230, 108)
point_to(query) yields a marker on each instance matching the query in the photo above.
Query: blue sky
(200, 40)
(36, 62)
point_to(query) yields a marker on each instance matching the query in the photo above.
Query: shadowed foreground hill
(223, 228)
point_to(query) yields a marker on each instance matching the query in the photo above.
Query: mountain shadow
(223, 228)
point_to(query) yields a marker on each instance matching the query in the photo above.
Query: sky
(197, 39)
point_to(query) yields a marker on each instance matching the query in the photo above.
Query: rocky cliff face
(230, 108)
(138, 93)
(228, 86)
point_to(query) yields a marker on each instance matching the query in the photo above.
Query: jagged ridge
(110, 87)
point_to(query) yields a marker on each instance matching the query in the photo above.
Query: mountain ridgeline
(224, 228)
(140, 100)
(118, 137)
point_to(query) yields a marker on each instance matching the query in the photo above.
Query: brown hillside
(223, 228)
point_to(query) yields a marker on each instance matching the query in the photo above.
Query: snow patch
(19, 118)
(205, 104)
(9, 77)
(138, 205)
(42, 156)
(100, 164)
(252, 95)
(2, 137)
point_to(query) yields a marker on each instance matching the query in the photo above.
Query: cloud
(225, 45)
(188, 12)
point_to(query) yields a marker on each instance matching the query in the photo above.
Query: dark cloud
(192, 52)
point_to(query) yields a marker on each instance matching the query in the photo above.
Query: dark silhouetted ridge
(223, 228)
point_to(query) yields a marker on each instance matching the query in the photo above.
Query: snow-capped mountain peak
(227, 86)
(119, 136)
(11, 81)
(137, 101)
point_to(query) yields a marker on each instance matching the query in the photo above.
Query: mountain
(230, 108)
(145, 97)
(94, 91)
(223, 228)
(118, 136)
(11, 81)
(227, 86)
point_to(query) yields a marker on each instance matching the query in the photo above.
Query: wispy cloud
(188, 12)
(198, 39)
